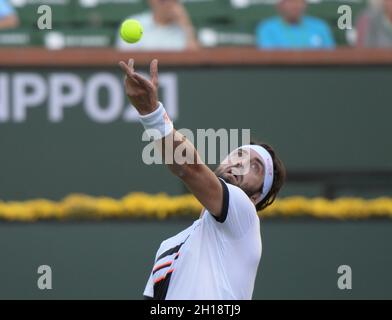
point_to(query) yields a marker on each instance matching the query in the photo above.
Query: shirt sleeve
(238, 212)
(149, 290)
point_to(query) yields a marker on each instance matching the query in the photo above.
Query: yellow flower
(162, 206)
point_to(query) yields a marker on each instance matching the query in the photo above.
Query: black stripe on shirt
(161, 287)
(225, 203)
(171, 251)
(165, 266)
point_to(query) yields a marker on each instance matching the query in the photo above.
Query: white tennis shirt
(211, 259)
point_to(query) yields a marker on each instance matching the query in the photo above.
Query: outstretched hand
(141, 92)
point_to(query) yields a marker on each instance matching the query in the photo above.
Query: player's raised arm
(199, 179)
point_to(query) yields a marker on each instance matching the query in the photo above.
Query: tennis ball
(131, 31)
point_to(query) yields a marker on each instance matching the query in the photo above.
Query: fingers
(143, 81)
(137, 79)
(129, 71)
(125, 68)
(130, 64)
(154, 72)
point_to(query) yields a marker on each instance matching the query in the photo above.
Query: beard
(226, 177)
(229, 178)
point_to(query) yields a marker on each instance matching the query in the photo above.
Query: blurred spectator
(362, 22)
(292, 29)
(166, 27)
(8, 17)
(374, 26)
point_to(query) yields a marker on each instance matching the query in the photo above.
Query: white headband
(268, 168)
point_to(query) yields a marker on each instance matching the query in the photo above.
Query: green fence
(112, 260)
(67, 130)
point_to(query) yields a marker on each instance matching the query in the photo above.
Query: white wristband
(157, 123)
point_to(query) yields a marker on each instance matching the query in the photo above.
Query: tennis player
(217, 257)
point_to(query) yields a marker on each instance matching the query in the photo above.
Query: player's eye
(254, 167)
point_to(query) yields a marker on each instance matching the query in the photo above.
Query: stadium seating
(218, 22)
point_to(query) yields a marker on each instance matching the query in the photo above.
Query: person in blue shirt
(292, 29)
(8, 17)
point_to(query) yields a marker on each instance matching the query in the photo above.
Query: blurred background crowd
(194, 24)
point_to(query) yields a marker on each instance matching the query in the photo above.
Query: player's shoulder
(238, 198)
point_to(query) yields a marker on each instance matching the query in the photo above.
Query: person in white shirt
(217, 257)
(166, 26)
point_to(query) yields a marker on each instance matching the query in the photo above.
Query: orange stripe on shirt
(164, 276)
(168, 263)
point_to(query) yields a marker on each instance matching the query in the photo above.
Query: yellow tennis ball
(131, 31)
